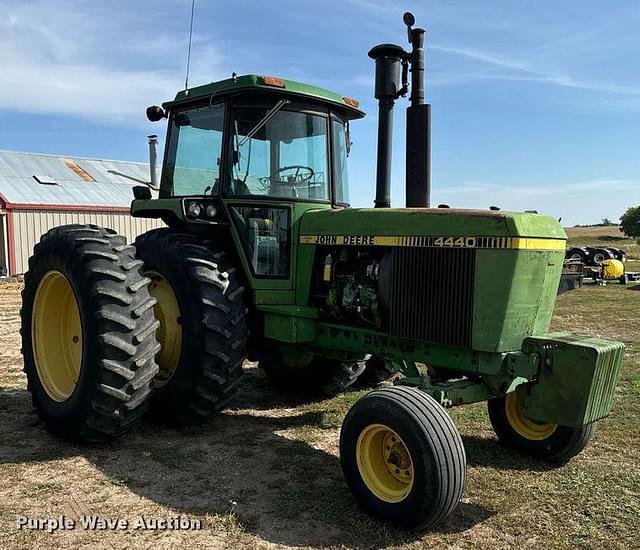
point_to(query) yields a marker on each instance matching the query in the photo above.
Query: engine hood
(424, 222)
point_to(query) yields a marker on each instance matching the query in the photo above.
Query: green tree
(630, 222)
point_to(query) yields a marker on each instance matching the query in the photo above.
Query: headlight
(211, 211)
(194, 209)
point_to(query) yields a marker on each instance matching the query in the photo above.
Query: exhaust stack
(390, 59)
(392, 66)
(153, 161)
(418, 144)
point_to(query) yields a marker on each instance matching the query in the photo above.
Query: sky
(535, 105)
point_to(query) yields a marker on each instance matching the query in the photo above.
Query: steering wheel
(296, 178)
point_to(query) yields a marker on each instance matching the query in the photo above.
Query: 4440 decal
(511, 243)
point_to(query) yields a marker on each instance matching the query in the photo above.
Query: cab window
(340, 175)
(195, 152)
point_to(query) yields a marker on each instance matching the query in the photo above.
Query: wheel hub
(56, 333)
(527, 428)
(169, 334)
(384, 463)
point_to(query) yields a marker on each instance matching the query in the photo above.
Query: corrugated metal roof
(111, 188)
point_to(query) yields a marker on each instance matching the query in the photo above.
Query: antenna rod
(186, 79)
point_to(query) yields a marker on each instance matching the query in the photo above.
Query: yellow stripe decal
(510, 243)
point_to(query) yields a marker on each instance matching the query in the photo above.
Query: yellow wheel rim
(56, 335)
(384, 463)
(169, 334)
(527, 428)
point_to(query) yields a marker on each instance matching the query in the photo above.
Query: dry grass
(266, 473)
(594, 231)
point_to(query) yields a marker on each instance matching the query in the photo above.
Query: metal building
(38, 192)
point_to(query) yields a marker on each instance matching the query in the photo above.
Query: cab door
(278, 168)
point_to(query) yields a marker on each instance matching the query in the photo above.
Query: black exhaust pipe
(418, 145)
(392, 64)
(390, 60)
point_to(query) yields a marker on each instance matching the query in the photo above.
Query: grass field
(266, 472)
(608, 235)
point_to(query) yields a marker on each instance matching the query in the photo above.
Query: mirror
(155, 113)
(141, 192)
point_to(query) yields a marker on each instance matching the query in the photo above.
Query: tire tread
(101, 268)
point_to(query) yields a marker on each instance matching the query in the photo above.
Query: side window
(340, 174)
(266, 238)
(195, 151)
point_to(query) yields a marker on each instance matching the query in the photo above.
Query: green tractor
(262, 258)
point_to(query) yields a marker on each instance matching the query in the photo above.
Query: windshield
(286, 157)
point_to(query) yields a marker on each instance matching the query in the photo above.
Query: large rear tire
(547, 441)
(88, 333)
(403, 457)
(203, 325)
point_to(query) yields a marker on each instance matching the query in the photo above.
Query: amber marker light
(273, 81)
(351, 102)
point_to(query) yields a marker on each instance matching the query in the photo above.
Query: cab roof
(251, 82)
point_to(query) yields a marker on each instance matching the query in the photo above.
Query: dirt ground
(266, 474)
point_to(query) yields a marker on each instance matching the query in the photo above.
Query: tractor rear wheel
(321, 376)
(203, 325)
(403, 457)
(88, 333)
(550, 442)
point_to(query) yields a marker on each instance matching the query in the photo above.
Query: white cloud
(521, 70)
(485, 57)
(76, 60)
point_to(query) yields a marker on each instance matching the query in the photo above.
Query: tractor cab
(252, 153)
(252, 136)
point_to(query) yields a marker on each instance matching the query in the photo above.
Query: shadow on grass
(257, 392)
(634, 287)
(282, 490)
(489, 453)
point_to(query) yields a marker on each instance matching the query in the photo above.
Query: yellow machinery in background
(612, 269)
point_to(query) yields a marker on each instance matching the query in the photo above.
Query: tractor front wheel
(403, 457)
(203, 325)
(547, 441)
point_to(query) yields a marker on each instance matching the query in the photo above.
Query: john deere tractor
(261, 257)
